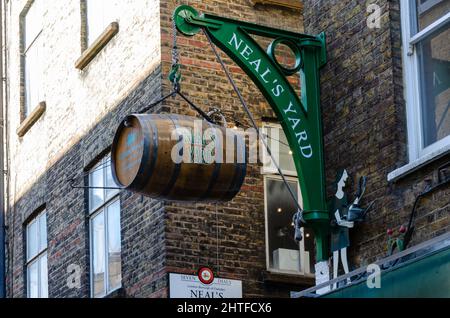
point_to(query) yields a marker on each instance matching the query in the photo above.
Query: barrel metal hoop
(113, 159)
(176, 171)
(145, 173)
(124, 124)
(216, 171)
(238, 179)
(240, 171)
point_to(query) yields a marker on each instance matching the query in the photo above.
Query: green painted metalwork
(299, 117)
(425, 277)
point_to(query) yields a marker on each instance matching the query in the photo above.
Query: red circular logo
(205, 275)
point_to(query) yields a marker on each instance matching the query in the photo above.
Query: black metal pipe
(2, 166)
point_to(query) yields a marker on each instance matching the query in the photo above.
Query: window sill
(291, 4)
(31, 119)
(117, 293)
(289, 279)
(91, 52)
(417, 164)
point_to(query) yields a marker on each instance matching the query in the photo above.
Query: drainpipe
(2, 166)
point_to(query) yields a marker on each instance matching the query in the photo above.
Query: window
(283, 253)
(280, 150)
(426, 45)
(37, 272)
(33, 56)
(105, 241)
(98, 28)
(100, 13)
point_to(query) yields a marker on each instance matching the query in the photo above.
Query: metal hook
(217, 111)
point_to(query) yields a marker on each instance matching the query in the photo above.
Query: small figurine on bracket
(343, 219)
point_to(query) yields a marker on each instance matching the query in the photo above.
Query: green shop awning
(420, 271)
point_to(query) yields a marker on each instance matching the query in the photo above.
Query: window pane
(99, 14)
(93, 20)
(434, 57)
(33, 76)
(272, 138)
(96, 180)
(44, 276)
(109, 180)
(33, 280)
(280, 149)
(43, 232)
(32, 239)
(98, 255)
(28, 71)
(286, 159)
(114, 256)
(283, 250)
(33, 22)
(109, 12)
(428, 11)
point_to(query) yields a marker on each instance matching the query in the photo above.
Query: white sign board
(189, 286)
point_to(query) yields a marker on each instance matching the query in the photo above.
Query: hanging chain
(175, 73)
(175, 77)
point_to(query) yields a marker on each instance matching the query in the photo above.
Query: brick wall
(365, 122)
(364, 128)
(192, 229)
(75, 100)
(84, 109)
(142, 219)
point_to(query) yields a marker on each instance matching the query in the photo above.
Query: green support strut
(300, 118)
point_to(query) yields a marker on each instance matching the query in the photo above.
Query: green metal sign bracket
(300, 117)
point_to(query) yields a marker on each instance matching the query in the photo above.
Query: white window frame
(417, 151)
(30, 260)
(27, 45)
(270, 172)
(94, 212)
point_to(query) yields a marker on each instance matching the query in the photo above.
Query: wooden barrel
(142, 160)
